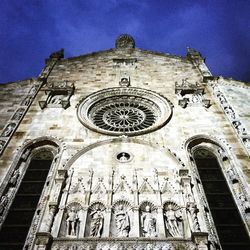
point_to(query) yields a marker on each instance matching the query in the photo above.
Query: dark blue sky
(31, 29)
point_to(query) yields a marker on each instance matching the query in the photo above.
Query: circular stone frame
(124, 111)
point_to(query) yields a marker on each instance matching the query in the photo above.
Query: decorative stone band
(130, 111)
(240, 129)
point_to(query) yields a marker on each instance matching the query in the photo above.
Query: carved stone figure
(247, 143)
(188, 191)
(238, 126)
(14, 178)
(229, 111)
(72, 222)
(122, 222)
(56, 99)
(96, 224)
(3, 203)
(18, 115)
(8, 130)
(192, 211)
(1, 145)
(148, 223)
(173, 217)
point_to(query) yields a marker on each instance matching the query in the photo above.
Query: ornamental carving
(191, 94)
(125, 41)
(57, 95)
(128, 111)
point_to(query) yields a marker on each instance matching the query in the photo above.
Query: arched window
(228, 222)
(27, 181)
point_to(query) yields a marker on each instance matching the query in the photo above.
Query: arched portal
(23, 191)
(228, 222)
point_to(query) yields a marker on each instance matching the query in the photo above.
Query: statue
(192, 212)
(3, 203)
(14, 178)
(122, 222)
(96, 224)
(148, 223)
(172, 220)
(8, 130)
(72, 222)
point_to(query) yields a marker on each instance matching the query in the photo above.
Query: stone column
(46, 225)
(107, 222)
(136, 223)
(83, 220)
(160, 223)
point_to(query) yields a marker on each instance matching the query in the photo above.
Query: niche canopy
(124, 111)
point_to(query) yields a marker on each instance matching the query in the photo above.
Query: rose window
(128, 111)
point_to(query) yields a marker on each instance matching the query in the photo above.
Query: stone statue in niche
(14, 178)
(8, 130)
(122, 221)
(3, 203)
(173, 218)
(96, 224)
(72, 222)
(148, 223)
(187, 188)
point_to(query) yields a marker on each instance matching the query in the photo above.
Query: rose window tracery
(124, 111)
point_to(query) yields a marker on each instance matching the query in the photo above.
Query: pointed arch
(24, 187)
(212, 163)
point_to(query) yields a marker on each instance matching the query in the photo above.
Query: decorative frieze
(234, 118)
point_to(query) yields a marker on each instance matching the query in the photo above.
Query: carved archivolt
(232, 174)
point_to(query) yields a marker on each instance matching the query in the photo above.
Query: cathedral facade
(125, 149)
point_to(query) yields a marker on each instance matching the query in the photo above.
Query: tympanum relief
(139, 197)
